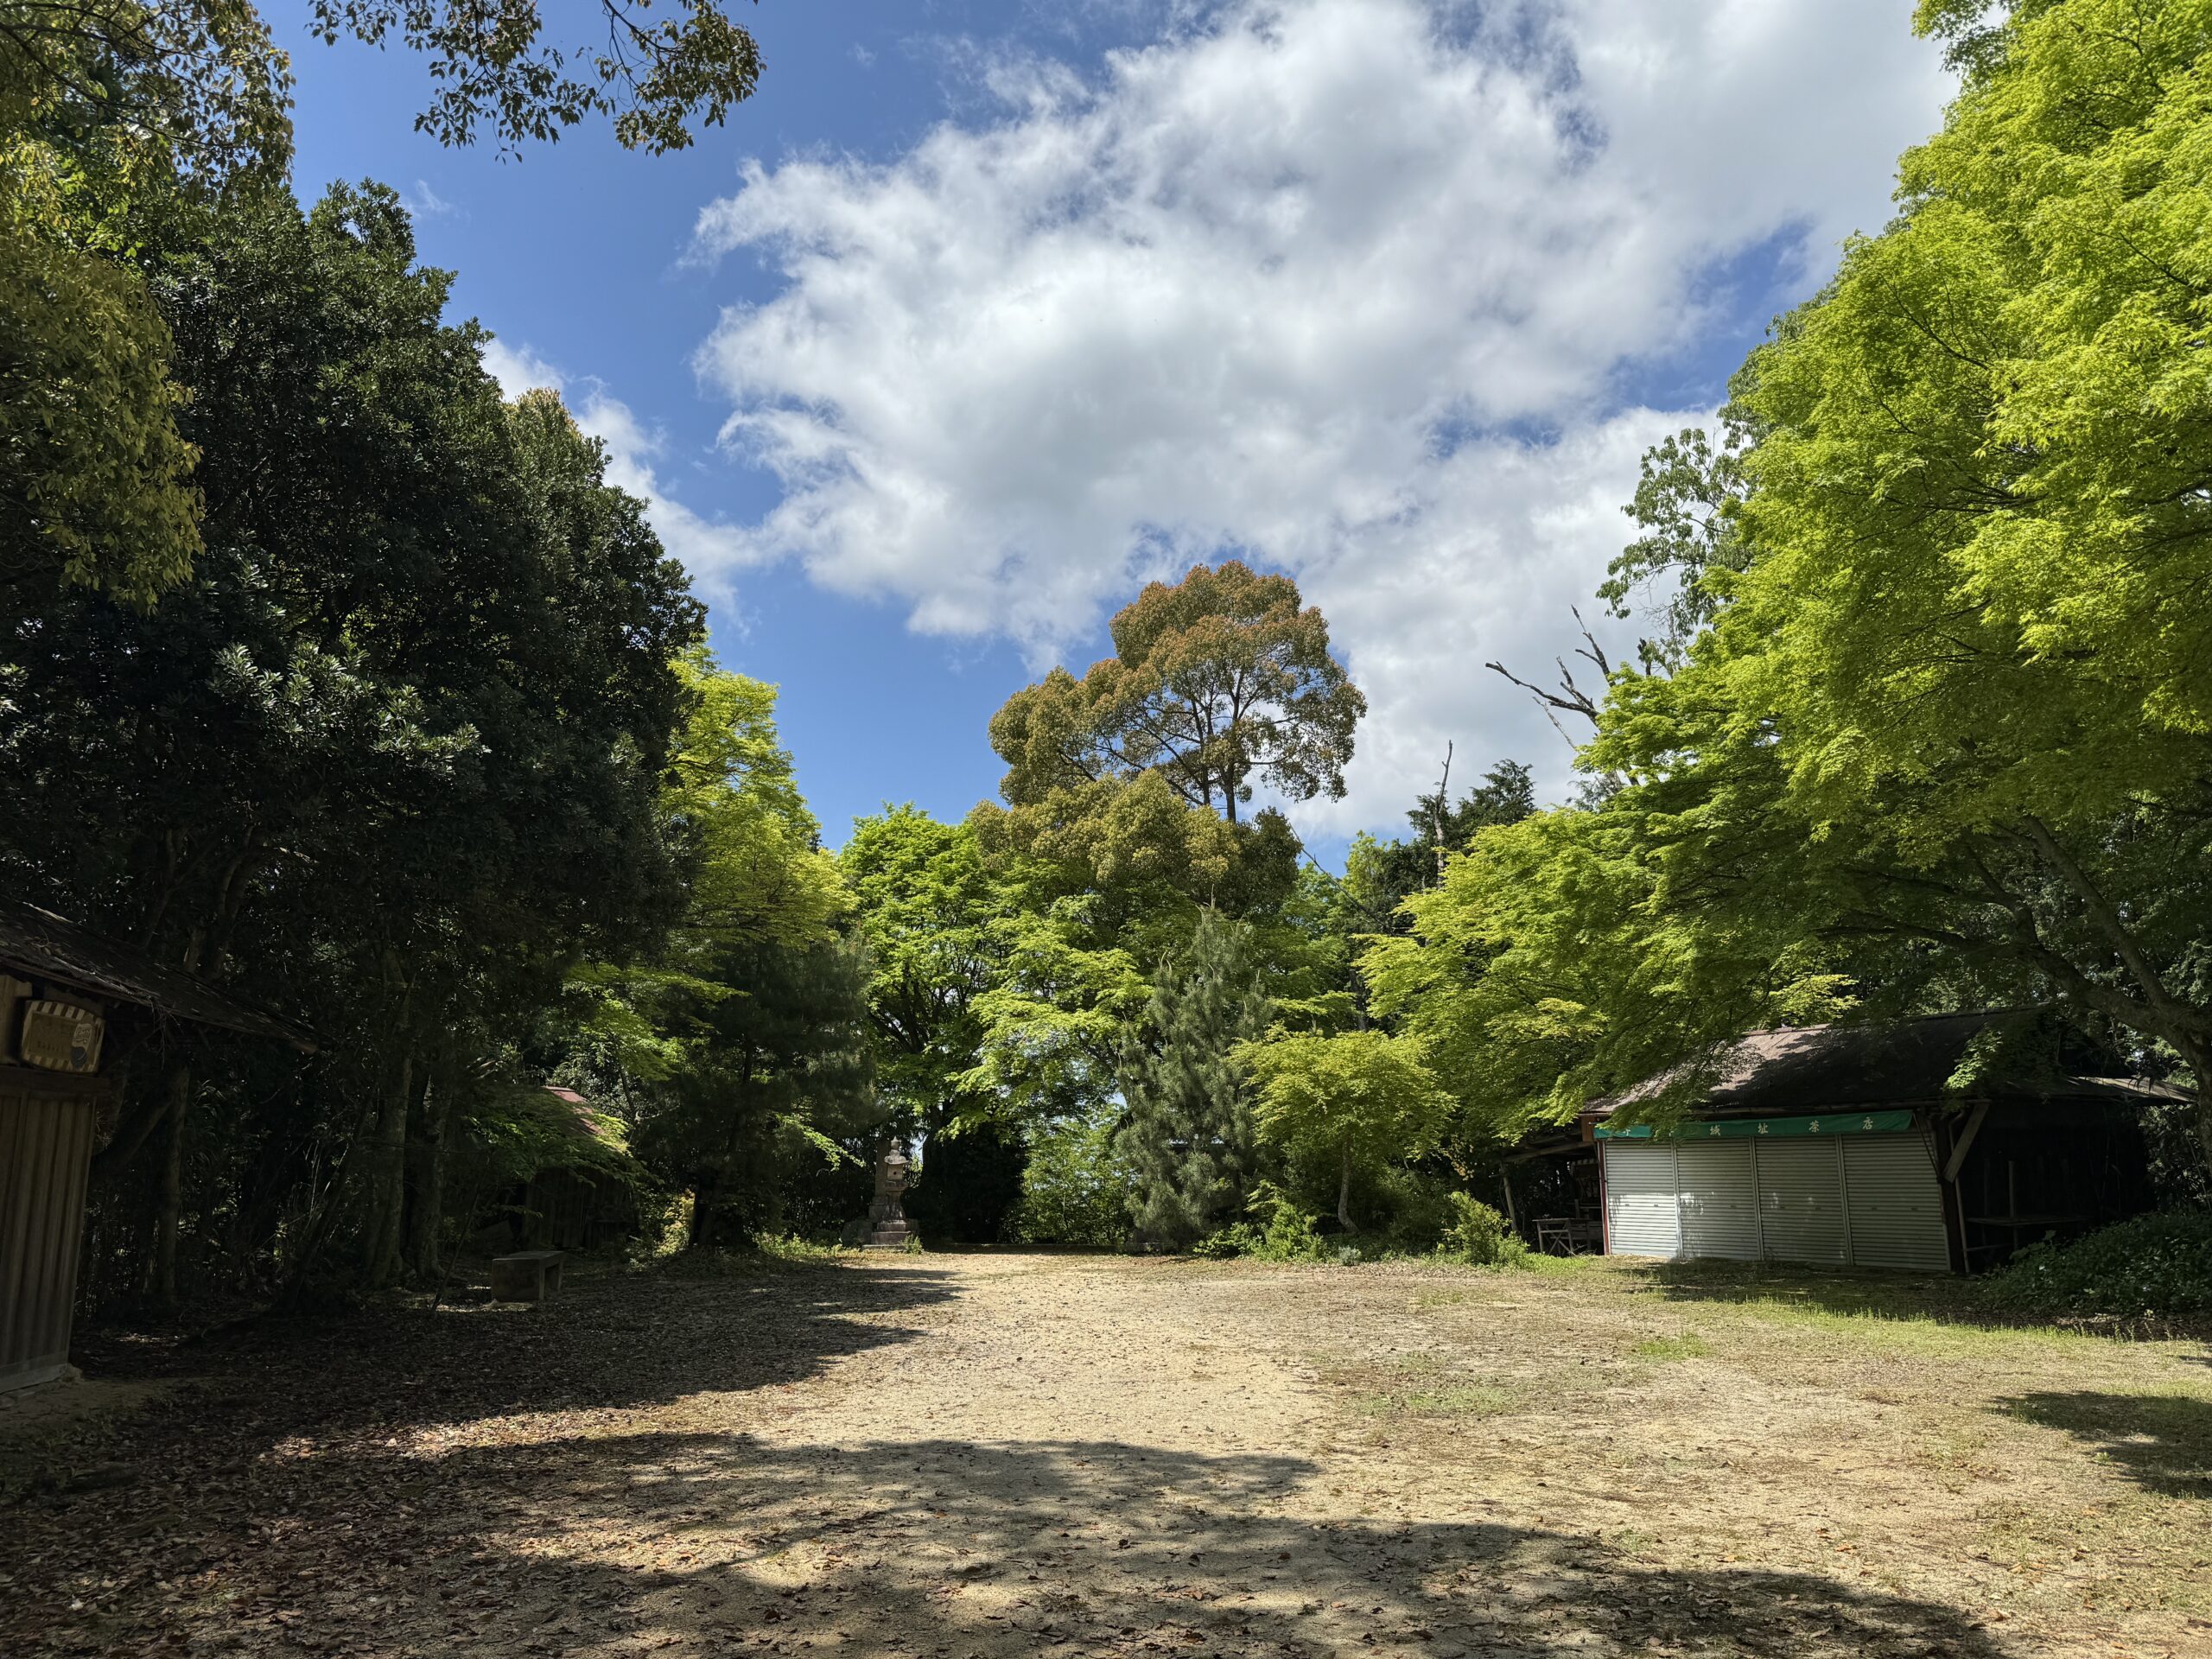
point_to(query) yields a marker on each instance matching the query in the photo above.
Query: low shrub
(790, 1247)
(2158, 1266)
(1238, 1238)
(1284, 1233)
(1478, 1234)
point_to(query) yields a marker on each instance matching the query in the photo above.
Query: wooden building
(1857, 1146)
(72, 1007)
(586, 1199)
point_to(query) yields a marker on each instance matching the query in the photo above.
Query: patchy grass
(1561, 1267)
(1879, 1430)
(1465, 1399)
(762, 1254)
(1419, 1384)
(790, 1247)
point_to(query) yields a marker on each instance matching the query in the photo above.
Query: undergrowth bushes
(1075, 1188)
(2158, 1266)
(1283, 1231)
(1478, 1234)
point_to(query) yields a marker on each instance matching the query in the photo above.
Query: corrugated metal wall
(1800, 1202)
(1719, 1217)
(1895, 1204)
(1869, 1200)
(46, 1146)
(1643, 1216)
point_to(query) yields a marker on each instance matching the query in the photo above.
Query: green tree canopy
(1386, 872)
(774, 1072)
(1188, 1134)
(203, 78)
(1345, 1100)
(1216, 682)
(929, 911)
(391, 756)
(116, 114)
(1941, 736)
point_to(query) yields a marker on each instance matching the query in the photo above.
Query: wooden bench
(526, 1276)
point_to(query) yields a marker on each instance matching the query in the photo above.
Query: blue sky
(978, 315)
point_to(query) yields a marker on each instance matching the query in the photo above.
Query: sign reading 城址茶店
(1891, 1122)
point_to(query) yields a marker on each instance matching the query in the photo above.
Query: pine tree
(771, 1073)
(1189, 1133)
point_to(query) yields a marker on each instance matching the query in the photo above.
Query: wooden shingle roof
(45, 946)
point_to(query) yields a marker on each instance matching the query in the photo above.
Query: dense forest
(338, 680)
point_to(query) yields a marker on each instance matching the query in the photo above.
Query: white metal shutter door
(1720, 1202)
(1897, 1209)
(1643, 1214)
(1801, 1201)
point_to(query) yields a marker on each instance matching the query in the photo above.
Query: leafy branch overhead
(115, 115)
(657, 78)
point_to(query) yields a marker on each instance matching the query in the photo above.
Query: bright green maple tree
(1345, 1100)
(930, 911)
(749, 875)
(1977, 619)
(1940, 736)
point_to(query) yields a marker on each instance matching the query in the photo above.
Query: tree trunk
(168, 1216)
(426, 1199)
(2197, 1057)
(706, 1198)
(1344, 1189)
(322, 1218)
(132, 1136)
(386, 1183)
(706, 1201)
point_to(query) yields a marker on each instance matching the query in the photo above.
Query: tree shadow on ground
(1864, 1292)
(2164, 1441)
(696, 1544)
(615, 1341)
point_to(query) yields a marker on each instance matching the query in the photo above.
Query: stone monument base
(886, 1227)
(887, 1231)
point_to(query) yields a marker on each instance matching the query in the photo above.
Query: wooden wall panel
(45, 1147)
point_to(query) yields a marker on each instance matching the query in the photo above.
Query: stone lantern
(887, 1226)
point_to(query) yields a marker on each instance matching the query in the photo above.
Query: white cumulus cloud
(423, 202)
(1350, 287)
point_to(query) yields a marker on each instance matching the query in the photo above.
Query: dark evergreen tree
(387, 761)
(777, 1078)
(970, 1183)
(1188, 1135)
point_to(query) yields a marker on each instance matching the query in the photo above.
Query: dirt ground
(950, 1455)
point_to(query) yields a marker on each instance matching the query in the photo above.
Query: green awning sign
(1765, 1128)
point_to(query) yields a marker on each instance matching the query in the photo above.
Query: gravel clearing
(941, 1456)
